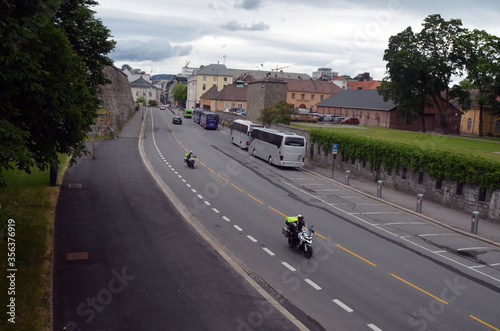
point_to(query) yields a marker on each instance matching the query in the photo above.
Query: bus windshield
(294, 141)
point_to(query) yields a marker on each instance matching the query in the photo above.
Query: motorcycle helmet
(300, 218)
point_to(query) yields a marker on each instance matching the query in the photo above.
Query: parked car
(177, 120)
(350, 120)
(338, 119)
(162, 107)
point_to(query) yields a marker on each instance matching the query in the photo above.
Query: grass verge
(32, 203)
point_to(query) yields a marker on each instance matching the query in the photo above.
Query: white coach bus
(278, 147)
(240, 132)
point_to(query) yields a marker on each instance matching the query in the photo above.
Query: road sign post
(334, 154)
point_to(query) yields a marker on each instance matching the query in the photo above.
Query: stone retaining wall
(118, 104)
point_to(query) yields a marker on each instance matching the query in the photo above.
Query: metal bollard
(347, 177)
(420, 200)
(474, 222)
(379, 189)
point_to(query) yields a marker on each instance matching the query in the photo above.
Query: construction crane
(276, 69)
(187, 63)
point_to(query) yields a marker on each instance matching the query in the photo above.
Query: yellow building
(202, 80)
(470, 120)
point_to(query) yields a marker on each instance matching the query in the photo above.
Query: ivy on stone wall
(439, 164)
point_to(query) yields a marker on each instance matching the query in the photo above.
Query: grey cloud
(150, 50)
(248, 4)
(236, 26)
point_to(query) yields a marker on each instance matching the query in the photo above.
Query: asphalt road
(125, 258)
(375, 266)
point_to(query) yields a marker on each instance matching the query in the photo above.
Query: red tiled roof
(316, 86)
(365, 85)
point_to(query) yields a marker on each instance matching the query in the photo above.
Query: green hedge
(439, 164)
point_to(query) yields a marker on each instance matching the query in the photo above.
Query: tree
(49, 85)
(179, 93)
(406, 83)
(439, 43)
(420, 67)
(480, 57)
(279, 113)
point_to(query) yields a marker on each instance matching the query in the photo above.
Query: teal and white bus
(281, 148)
(240, 132)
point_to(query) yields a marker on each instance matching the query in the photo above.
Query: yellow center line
(255, 199)
(236, 187)
(359, 257)
(477, 319)
(277, 211)
(418, 288)
(319, 235)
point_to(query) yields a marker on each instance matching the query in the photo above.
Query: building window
(239, 105)
(137, 93)
(303, 96)
(460, 188)
(293, 95)
(225, 79)
(227, 105)
(150, 94)
(204, 78)
(322, 97)
(469, 124)
(312, 96)
(360, 115)
(497, 126)
(204, 87)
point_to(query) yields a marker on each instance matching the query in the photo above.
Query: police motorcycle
(190, 160)
(302, 239)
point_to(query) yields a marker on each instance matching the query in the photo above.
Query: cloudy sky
(162, 36)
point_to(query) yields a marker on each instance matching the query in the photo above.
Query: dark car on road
(177, 120)
(350, 120)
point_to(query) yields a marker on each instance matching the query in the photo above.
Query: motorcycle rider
(295, 225)
(188, 155)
